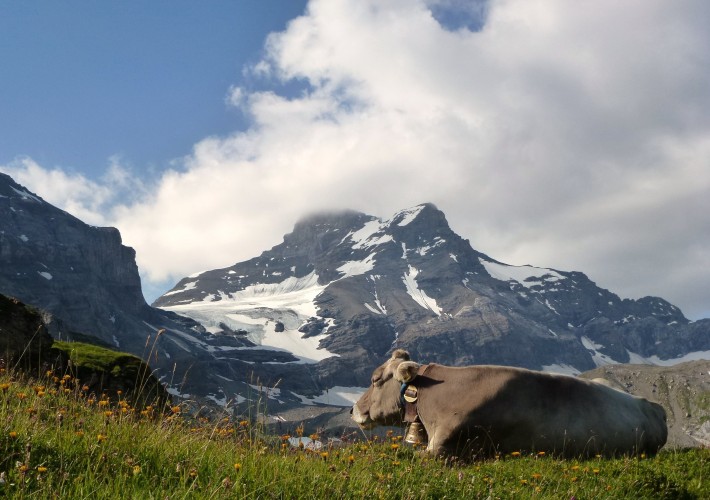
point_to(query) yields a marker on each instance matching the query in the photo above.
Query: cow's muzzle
(361, 419)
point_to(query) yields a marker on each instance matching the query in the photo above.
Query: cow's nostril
(351, 410)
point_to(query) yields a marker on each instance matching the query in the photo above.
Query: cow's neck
(409, 397)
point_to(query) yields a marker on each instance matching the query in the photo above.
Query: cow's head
(380, 405)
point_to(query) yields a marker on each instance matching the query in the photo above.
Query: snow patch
(357, 267)
(655, 360)
(24, 238)
(45, 275)
(335, 396)
(599, 358)
(364, 237)
(419, 295)
(25, 195)
(525, 275)
(188, 286)
(218, 401)
(408, 215)
(562, 369)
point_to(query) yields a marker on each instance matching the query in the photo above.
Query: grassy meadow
(59, 441)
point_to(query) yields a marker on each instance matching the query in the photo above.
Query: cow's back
(494, 409)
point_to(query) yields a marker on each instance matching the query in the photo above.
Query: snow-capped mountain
(306, 322)
(343, 290)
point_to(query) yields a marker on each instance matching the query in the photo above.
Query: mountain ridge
(411, 282)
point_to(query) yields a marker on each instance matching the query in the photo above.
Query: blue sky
(571, 135)
(84, 81)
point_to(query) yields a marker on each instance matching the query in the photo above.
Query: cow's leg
(435, 447)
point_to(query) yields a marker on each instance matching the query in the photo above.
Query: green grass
(57, 441)
(99, 358)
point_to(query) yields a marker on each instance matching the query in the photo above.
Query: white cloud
(563, 134)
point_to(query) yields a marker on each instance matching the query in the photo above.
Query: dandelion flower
(237, 467)
(136, 470)
(13, 434)
(540, 453)
(394, 446)
(515, 454)
(41, 469)
(101, 437)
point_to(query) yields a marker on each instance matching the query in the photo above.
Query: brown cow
(479, 411)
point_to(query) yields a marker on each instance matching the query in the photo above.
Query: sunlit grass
(57, 439)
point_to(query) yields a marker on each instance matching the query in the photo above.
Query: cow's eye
(377, 381)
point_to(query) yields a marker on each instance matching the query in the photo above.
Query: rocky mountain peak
(317, 312)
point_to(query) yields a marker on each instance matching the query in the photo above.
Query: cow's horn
(406, 371)
(400, 354)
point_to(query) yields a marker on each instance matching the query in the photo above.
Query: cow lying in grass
(479, 411)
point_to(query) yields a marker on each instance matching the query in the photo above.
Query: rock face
(24, 339)
(683, 390)
(87, 285)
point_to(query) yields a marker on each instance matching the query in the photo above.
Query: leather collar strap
(409, 404)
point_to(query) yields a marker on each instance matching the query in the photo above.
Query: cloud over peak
(567, 134)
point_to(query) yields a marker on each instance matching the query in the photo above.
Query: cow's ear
(401, 354)
(406, 371)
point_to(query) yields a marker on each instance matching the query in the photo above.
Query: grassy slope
(55, 438)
